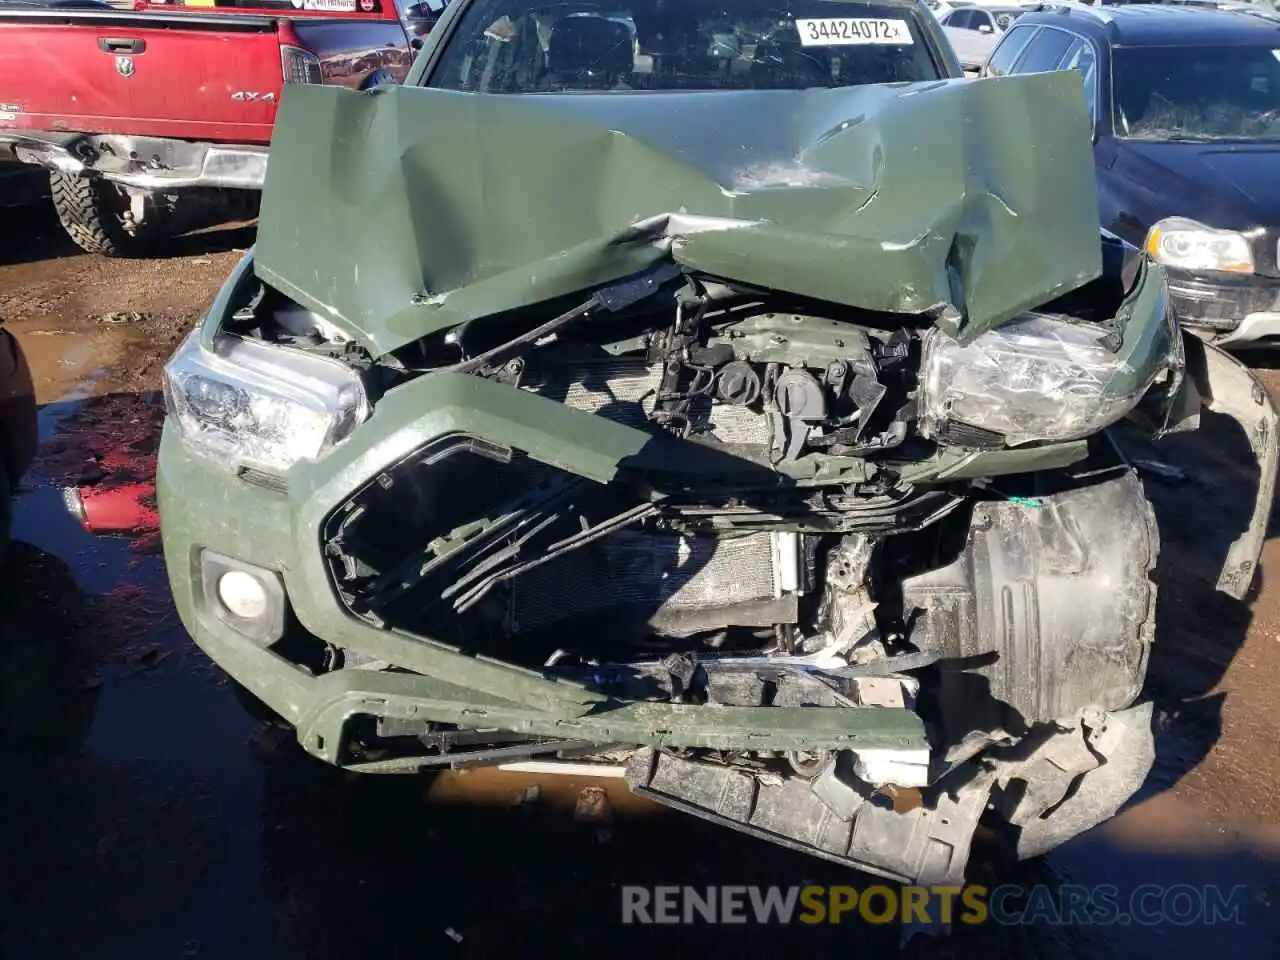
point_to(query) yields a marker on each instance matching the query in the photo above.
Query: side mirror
(984, 28)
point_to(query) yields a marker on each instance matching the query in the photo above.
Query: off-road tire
(96, 215)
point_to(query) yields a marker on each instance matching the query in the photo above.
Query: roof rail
(1071, 8)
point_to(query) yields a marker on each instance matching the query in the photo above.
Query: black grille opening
(488, 550)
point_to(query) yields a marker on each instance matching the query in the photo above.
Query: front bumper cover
(144, 163)
(206, 509)
(262, 527)
(1236, 312)
(280, 532)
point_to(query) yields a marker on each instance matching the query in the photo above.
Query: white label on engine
(854, 31)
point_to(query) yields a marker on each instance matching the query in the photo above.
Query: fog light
(242, 595)
(247, 598)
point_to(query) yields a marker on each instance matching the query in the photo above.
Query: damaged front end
(841, 560)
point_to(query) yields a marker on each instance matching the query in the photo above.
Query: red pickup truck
(143, 113)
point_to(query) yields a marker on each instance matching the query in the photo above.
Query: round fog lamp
(242, 594)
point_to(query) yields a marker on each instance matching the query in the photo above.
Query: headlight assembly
(1036, 378)
(1186, 245)
(250, 404)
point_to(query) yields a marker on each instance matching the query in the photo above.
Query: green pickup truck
(725, 390)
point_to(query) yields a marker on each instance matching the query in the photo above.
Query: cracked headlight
(1036, 378)
(1186, 245)
(251, 404)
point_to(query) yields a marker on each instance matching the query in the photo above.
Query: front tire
(97, 215)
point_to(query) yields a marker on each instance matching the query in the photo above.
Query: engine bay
(768, 526)
(745, 559)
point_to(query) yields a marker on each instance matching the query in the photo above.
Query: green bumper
(205, 508)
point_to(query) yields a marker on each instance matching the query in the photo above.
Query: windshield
(1197, 93)
(533, 46)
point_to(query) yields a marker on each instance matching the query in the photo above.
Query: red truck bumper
(144, 163)
(126, 509)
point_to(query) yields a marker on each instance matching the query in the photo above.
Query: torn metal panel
(338, 696)
(1226, 386)
(1122, 746)
(1048, 772)
(929, 843)
(1074, 779)
(829, 818)
(968, 201)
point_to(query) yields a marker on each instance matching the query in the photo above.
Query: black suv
(1186, 124)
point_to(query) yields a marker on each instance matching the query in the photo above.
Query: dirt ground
(182, 815)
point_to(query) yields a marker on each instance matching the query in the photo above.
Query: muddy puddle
(144, 815)
(70, 364)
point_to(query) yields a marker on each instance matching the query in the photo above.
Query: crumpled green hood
(405, 211)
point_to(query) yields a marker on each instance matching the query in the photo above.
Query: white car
(940, 8)
(975, 30)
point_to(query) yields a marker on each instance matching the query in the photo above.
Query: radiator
(676, 584)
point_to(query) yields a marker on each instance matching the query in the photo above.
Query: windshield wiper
(1223, 138)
